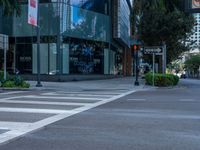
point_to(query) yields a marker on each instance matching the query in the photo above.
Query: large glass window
(100, 6)
(121, 17)
(65, 59)
(48, 21)
(53, 59)
(24, 58)
(86, 58)
(85, 24)
(106, 62)
(112, 62)
(43, 58)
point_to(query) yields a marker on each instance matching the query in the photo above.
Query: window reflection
(99, 6)
(85, 24)
(86, 58)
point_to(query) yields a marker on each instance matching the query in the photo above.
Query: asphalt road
(158, 119)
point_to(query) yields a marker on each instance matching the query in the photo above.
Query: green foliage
(163, 21)
(13, 82)
(2, 76)
(18, 80)
(25, 85)
(9, 6)
(9, 84)
(161, 80)
(193, 63)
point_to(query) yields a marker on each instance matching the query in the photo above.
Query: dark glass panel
(24, 40)
(86, 57)
(24, 58)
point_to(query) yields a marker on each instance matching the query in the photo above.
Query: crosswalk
(22, 112)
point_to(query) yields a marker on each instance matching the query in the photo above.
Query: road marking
(11, 135)
(50, 97)
(94, 92)
(31, 110)
(12, 92)
(13, 125)
(9, 98)
(136, 99)
(187, 100)
(89, 95)
(45, 103)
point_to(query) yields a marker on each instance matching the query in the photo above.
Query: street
(117, 118)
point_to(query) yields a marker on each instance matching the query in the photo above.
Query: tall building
(195, 37)
(79, 37)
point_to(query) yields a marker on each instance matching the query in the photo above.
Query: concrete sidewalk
(126, 83)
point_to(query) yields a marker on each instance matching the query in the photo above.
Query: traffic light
(136, 47)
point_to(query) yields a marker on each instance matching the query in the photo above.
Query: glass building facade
(76, 38)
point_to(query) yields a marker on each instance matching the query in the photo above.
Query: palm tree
(9, 6)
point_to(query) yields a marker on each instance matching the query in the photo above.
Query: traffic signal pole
(135, 48)
(137, 68)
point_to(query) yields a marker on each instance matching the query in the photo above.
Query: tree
(163, 21)
(193, 64)
(9, 6)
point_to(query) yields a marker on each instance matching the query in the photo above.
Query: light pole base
(137, 83)
(38, 85)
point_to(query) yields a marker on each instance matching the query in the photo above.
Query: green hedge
(13, 82)
(161, 80)
(2, 76)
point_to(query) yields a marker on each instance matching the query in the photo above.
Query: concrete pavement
(109, 84)
(22, 112)
(156, 119)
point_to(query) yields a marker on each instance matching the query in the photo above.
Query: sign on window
(195, 4)
(32, 12)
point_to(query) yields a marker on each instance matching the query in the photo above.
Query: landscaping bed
(161, 80)
(12, 81)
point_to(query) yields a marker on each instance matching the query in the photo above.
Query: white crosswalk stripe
(13, 125)
(56, 97)
(76, 94)
(12, 92)
(56, 105)
(45, 103)
(29, 110)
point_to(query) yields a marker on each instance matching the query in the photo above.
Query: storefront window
(24, 58)
(65, 59)
(86, 58)
(52, 59)
(43, 58)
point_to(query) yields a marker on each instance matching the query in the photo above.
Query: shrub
(2, 76)
(15, 81)
(176, 80)
(9, 84)
(25, 85)
(161, 80)
(18, 80)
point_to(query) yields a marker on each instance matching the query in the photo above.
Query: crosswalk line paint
(45, 103)
(31, 110)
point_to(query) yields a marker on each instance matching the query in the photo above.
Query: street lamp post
(34, 20)
(38, 49)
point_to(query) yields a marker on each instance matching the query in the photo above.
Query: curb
(15, 89)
